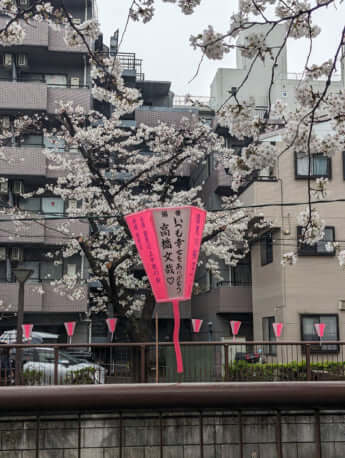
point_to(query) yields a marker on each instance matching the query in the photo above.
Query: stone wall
(208, 434)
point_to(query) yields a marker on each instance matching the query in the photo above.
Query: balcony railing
(59, 364)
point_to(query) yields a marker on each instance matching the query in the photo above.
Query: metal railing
(64, 364)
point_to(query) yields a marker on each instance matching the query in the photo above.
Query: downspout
(85, 71)
(86, 10)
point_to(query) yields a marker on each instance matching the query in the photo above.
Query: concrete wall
(175, 435)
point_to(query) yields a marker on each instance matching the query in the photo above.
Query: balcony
(38, 96)
(53, 235)
(15, 95)
(54, 302)
(80, 97)
(50, 301)
(150, 116)
(47, 232)
(23, 161)
(42, 35)
(225, 299)
(35, 34)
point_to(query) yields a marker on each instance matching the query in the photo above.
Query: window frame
(312, 249)
(317, 348)
(265, 259)
(312, 176)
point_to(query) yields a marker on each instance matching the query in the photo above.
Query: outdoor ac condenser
(17, 254)
(2, 253)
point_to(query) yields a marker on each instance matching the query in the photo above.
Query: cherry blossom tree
(112, 177)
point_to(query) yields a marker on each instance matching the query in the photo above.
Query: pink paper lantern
(27, 330)
(111, 323)
(70, 328)
(168, 242)
(277, 329)
(320, 329)
(235, 327)
(196, 325)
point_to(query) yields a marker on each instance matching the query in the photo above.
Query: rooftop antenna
(114, 43)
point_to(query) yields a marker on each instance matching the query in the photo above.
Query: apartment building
(33, 77)
(260, 290)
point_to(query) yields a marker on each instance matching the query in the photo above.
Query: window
(320, 166)
(57, 144)
(51, 271)
(266, 248)
(319, 249)
(32, 140)
(35, 267)
(308, 331)
(52, 206)
(268, 335)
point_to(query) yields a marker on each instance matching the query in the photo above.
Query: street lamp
(22, 276)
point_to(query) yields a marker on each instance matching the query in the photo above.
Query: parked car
(10, 337)
(39, 364)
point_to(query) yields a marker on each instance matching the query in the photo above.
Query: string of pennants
(196, 326)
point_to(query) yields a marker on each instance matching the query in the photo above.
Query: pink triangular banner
(27, 330)
(111, 323)
(235, 327)
(70, 328)
(277, 329)
(320, 329)
(196, 323)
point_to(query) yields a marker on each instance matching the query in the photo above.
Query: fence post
(226, 362)
(56, 366)
(142, 364)
(307, 361)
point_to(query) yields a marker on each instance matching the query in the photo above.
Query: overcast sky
(163, 44)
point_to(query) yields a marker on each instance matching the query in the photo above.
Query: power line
(237, 208)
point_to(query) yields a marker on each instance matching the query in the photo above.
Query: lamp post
(22, 276)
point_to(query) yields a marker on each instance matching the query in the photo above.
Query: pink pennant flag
(168, 242)
(196, 325)
(235, 327)
(277, 329)
(27, 330)
(111, 323)
(320, 329)
(70, 328)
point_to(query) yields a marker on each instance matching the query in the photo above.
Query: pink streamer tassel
(176, 336)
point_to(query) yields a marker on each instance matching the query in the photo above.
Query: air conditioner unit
(17, 254)
(4, 187)
(2, 253)
(75, 82)
(341, 305)
(5, 122)
(22, 60)
(73, 204)
(24, 3)
(18, 187)
(8, 60)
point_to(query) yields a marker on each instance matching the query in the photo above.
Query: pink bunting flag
(111, 323)
(277, 329)
(196, 325)
(235, 327)
(70, 328)
(27, 330)
(320, 329)
(168, 242)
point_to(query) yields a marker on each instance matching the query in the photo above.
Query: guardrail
(65, 364)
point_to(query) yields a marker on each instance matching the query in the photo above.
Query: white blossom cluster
(313, 227)
(289, 259)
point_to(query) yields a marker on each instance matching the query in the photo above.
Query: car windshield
(63, 356)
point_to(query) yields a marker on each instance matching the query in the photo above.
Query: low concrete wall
(147, 434)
